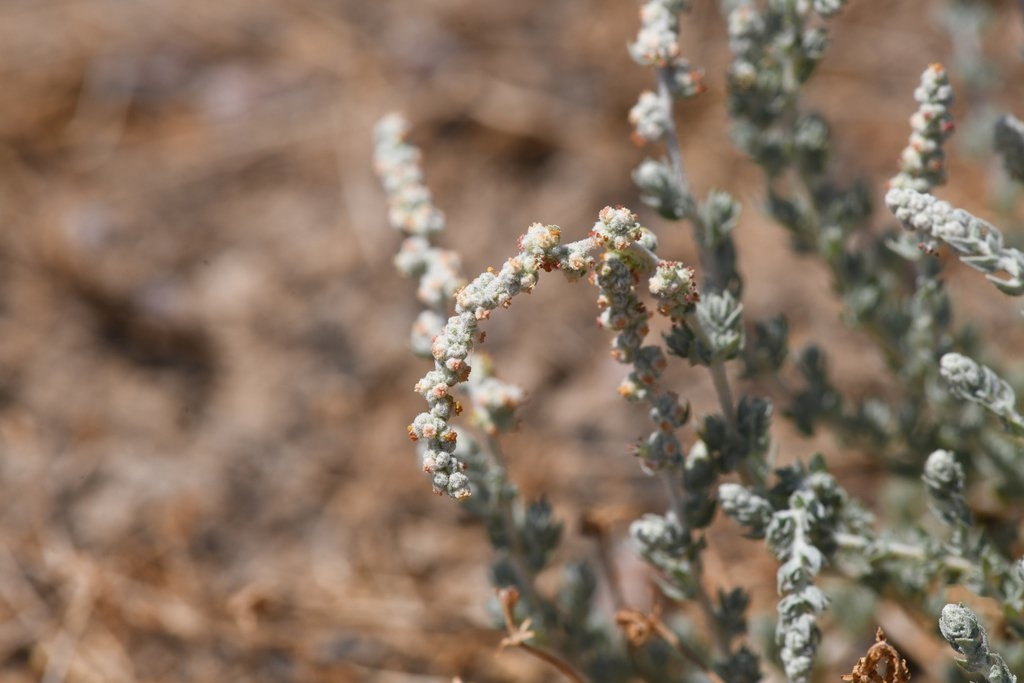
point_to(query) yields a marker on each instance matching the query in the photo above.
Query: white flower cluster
(661, 189)
(657, 43)
(628, 259)
(438, 270)
(674, 286)
(961, 629)
(944, 479)
(411, 210)
(972, 381)
(617, 229)
(540, 249)
(976, 242)
(684, 80)
(922, 162)
(410, 205)
(650, 118)
(828, 8)
(622, 311)
(747, 508)
(746, 27)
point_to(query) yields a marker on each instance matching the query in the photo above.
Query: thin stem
(672, 136)
(599, 526)
(718, 375)
(720, 640)
(790, 82)
(675, 493)
(554, 660)
(905, 551)
(516, 553)
(677, 496)
(720, 379)
(750, 475)
(519, 634)
(917, 554)
(722, 388)
(717, 367)
(675, 156)
(639, 626)
(803, 186)
(669, 636)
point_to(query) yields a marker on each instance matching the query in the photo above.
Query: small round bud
(650, 117)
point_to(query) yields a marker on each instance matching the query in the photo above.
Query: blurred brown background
(204, 383)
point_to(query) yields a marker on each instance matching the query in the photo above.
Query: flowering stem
(675, 155)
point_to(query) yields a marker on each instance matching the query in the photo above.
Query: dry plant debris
(881, 664)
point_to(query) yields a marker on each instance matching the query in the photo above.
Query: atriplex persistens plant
(891, 288)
